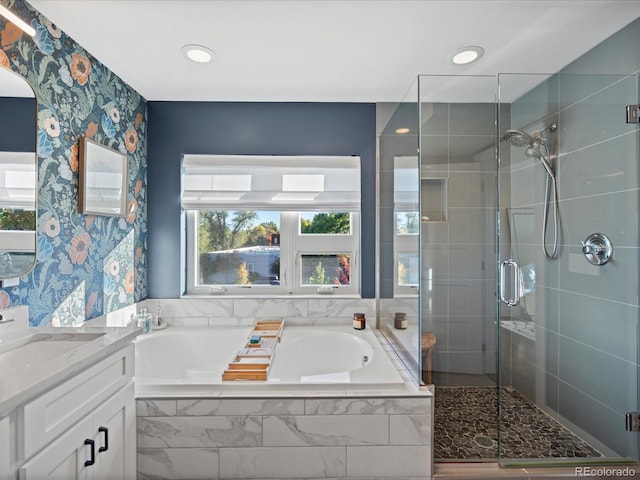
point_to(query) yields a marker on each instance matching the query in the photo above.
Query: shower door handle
(516, 282)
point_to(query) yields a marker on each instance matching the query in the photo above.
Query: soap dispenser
(144, 320)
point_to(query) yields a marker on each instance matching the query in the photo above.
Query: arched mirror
(18, 178)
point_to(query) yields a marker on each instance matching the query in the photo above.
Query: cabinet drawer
(52, 413)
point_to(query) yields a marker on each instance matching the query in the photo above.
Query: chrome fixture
(538, 147)
(633, 113)
(632, 422)
(6, 320)
(516, 282)
(598, 249)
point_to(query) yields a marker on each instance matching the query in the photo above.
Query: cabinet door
(7, 440)
(114, 427)
(63, 459)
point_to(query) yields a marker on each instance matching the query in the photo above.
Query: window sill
(272, 296)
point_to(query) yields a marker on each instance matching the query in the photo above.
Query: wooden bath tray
(254, 360)
(269, 329)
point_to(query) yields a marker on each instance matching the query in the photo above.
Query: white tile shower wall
(245, 311)
(339, 438)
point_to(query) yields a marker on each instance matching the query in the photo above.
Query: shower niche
(433, 199)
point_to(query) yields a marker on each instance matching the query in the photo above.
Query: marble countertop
(25, 382)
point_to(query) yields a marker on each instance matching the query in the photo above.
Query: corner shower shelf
(253, 362)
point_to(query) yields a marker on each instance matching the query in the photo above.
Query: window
(407, 225)
(326, 245)
(236, 248)
(298, 233)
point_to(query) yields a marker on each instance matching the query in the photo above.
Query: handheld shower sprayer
(537, 147)
(519, 138)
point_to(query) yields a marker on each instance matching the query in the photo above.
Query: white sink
(24, 353)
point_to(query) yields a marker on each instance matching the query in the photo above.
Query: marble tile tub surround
(191, 311)
(366, 437)
(296, 436)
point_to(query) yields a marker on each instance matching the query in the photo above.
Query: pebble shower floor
(466, 427)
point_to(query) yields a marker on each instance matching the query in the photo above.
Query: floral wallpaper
(95, 263)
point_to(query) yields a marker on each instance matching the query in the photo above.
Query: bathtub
(187, 361)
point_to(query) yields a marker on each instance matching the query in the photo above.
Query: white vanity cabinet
(7, 446)
(94, 448)
(84, 428)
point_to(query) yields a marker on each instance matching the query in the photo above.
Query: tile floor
(466, 427)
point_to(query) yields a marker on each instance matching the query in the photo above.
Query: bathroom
(100, 269)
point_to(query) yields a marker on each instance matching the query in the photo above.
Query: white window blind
(251, 182)
(406, 183)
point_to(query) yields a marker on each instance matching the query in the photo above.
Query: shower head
(538, 147)
(518, 138)
(533, 144)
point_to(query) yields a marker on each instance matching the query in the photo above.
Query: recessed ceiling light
(198, 53)
(468, 55)
(403, 130)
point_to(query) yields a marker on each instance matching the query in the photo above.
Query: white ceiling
(327, 50)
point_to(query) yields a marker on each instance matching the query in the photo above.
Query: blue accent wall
(17, 124)
(238, 128)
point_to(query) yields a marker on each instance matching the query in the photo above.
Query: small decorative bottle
(144, 320)
(359, 322)
(400, 320)
(157, 318)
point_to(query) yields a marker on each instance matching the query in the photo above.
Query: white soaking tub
(188, 361)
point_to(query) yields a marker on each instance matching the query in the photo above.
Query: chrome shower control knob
(597, 249)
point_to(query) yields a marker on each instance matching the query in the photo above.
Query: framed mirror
(18, 175)
(103, 180)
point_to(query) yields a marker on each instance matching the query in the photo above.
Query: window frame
(293, 245)
(327, 244)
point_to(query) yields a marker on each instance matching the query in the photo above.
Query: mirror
(18, 178)
(103, 180)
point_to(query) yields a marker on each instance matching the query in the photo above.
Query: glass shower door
(568, 309)
(457, 120)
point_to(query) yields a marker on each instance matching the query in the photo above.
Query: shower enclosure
(508, 215)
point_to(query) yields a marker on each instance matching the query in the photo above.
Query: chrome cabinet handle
(516, 277)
